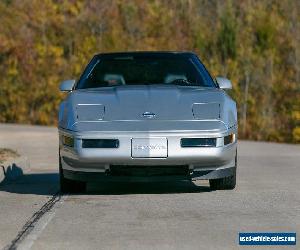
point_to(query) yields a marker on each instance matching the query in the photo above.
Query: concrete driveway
(181, 215)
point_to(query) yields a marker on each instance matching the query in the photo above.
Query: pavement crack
(32, 222)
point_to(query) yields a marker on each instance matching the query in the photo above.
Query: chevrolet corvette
(147, 116)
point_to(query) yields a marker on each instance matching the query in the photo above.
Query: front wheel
(70, 186)
(226, 183)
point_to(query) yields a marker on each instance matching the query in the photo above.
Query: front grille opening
(146, 171)
(100, 143)
(198, 142)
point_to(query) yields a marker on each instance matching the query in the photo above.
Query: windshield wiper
(183, 82)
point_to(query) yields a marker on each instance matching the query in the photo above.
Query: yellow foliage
(12, 69)
(44, 42)
(296, 134)
(296, 115)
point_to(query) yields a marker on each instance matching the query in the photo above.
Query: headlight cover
(90, 112)
(206, 111)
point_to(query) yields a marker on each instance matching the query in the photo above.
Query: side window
(204, 73)
(87, 72)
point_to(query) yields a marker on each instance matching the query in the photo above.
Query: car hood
(137, 107)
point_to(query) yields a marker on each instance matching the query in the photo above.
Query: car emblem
(149, 115)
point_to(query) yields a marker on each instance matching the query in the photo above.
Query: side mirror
(67, 86)
(223, 83)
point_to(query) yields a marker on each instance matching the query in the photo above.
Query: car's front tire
(70, 186)
(226, 183)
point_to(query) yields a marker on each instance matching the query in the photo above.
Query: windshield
(145, 70)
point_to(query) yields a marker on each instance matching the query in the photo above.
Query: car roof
(147, 53)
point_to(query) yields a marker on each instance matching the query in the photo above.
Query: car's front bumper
(194, 175)
(91, 164)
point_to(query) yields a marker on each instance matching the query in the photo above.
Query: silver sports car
(139, 116)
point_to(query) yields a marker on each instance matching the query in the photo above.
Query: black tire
(70, 186)
(226, 183)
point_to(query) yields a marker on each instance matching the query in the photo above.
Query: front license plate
(149, 148)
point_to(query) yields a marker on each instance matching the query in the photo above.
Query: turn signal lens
(229, 139)
(67, 141)
(198, 142)
(100, 143)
